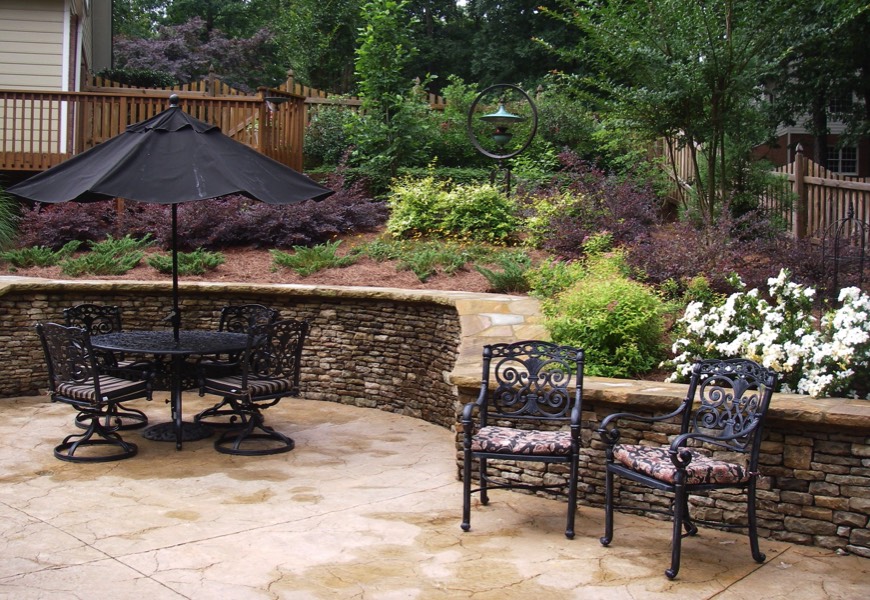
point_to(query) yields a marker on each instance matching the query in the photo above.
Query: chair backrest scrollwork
(241, 318)
(96, 318)
(532, 380)
(68, 354)
(732, 398)
(275, 351)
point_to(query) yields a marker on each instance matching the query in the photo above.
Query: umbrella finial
(173, 101)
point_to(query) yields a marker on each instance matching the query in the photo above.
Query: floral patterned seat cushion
(656, 462)
(506, 440)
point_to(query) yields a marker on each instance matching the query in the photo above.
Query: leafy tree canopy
(189, 51)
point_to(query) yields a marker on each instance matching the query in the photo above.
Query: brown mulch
(251, 265)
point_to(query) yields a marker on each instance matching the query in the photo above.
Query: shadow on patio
(367, 506)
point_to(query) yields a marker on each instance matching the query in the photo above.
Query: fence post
(800, 189)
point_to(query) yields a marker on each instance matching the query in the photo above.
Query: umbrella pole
(176, 311)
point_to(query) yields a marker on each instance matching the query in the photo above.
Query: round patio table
(164, 343)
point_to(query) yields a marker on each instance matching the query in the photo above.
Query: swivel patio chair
(75, 378)
(271, 366)
(719, 421)
(239, 318)
(525, 403)
(99, 319)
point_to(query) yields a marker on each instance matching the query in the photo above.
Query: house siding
(31, 44)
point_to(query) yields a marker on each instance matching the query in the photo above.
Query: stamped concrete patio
(366, 506)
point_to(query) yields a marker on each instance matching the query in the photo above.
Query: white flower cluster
(816, 358)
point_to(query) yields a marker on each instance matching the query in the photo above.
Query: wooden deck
(42, 129)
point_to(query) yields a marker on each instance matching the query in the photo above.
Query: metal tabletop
(189, 342)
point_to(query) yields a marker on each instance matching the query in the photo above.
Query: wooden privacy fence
(805, 195)
(42, 129)
(811, 199)
(213, 86)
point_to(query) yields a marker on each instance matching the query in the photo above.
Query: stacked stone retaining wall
(382, 352)
(417, 353)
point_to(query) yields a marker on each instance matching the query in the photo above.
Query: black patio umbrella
(167, 159)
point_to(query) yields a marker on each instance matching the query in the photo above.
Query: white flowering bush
(826, 357)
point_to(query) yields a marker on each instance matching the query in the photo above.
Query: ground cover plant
(189, 263)
(110, 256)
(38, 256)
(307, 260)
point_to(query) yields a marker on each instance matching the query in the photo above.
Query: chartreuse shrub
(617, 321)
(552, 277)
(827, 357)
(426, 207)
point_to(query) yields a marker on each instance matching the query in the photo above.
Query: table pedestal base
(165, 432)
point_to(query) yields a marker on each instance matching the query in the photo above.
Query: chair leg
(680, 503)
(466, 491)
(120, 417)
(608, 509)
(253, 428)
(753, 523)
(95, 435)
(688, 524)
(572, 499)
(234, 412)
(484, 493)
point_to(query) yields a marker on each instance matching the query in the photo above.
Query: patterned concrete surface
(367, 506)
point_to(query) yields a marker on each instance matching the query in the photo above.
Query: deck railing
(42, 129)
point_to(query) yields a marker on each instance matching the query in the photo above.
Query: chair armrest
(468, 409)
(608, 431)
(681, 457)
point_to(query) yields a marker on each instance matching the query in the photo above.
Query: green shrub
(598, 243)
(147, 78)
(427, 207)
(481, 213)
(552, 277)
(326, 138)
(109, 257)
(617, 321)
(38, 256)
(537, 164)
(511, 279)
(417, 207)
(425, 258)
(308, 260)
(189, 263)
(545, 210)
(449, 138)
(381, 249)
(457, 175)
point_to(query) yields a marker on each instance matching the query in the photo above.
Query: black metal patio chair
(74, 377)
(271, 366)
(240, 318)
(100, 319)
(531, 391)
(720, 419)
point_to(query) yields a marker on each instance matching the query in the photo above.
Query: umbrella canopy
(167, 159)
